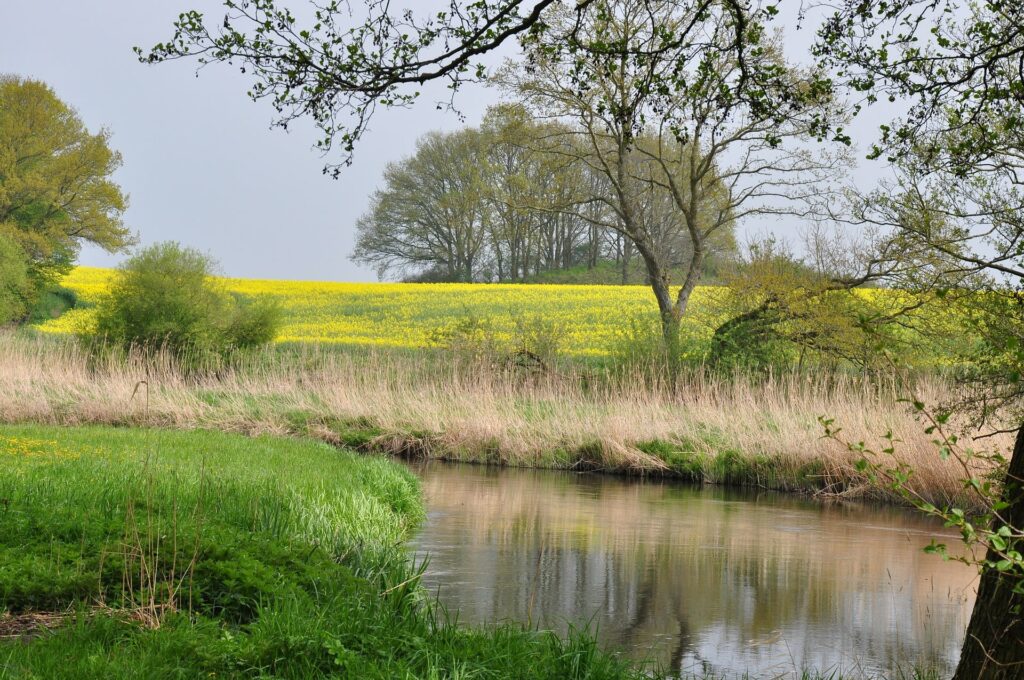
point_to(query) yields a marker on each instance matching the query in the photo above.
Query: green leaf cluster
(166, 297)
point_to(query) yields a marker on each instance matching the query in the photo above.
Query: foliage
(494, 204)
(955, 63)
(987, 530)
(704, 79)
(55, 187)
(806, 309)
(431, 212)
(53, 303)
(688, 125)
(165, 296)
(254, 322)
(294, 567)
(14, 281)
(318, 66)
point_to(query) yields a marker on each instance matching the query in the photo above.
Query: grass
(154, 553)
(53, 303)
(716, 429)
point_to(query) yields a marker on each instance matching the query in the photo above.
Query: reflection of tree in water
(691, 576)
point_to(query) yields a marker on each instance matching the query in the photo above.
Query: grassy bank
(154, 553)
(722, 430)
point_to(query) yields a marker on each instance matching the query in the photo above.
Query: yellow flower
(592, 318)
(28, 449)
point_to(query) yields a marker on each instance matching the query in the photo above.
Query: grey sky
(201, 164)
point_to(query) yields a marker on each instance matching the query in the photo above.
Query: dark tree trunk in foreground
(994, 647)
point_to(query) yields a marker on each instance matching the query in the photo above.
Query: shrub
(14, 282)
(255, 322)
(749, 342)
(166, 296)
(52, 303)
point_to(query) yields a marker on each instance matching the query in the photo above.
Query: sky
(201, 164)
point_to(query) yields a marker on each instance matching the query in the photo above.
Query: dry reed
(473, 411)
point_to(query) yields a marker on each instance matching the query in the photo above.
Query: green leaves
(984, 527)
(55, 187)
(164, 297)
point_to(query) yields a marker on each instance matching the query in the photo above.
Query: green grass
(282, 558)
(52, 303)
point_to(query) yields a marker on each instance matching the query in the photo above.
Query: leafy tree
(814, 308)
(14, 283)
(165, 297)
(55, 187)
(430, 212)
(488, 204)
(702, 73)
(524, 189)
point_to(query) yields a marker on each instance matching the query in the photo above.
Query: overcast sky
(201, 164)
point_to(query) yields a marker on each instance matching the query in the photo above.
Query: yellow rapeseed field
(591, 320)
(588, 320)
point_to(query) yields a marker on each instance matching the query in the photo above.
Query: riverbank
(724, 430)
(154, 553)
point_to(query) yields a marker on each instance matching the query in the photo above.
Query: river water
(695, 579)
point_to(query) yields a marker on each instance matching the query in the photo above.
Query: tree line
(503, 202)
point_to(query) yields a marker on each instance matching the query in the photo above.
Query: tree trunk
(627, 252)
(994, 646)
(671, 315)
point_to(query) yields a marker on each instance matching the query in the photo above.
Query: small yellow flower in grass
(24, 448)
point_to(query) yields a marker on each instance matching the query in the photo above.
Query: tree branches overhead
(334, 63)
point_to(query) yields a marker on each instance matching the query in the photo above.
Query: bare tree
(658, 100)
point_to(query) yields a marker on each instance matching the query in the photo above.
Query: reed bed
(720, 429)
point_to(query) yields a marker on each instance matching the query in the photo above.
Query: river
(695, 579)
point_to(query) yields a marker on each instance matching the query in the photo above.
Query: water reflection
(694, 578)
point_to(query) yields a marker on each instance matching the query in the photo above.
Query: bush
(255, 322)
(165, 296)
(52, 303)
(749, 342)
(15, 287)
(535, 342)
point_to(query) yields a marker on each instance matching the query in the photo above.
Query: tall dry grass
(763, 431)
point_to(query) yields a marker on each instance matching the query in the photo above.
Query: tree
(815, 307)
(483, 204)
(14, 283)
(697, 67)
(55, 186)
(522, 187)
(959, 155)
(164, 297)
(430, 212)
(689, 128)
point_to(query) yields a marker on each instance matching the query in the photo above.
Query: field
(155, 553)
(592, 318)
(583, 320)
